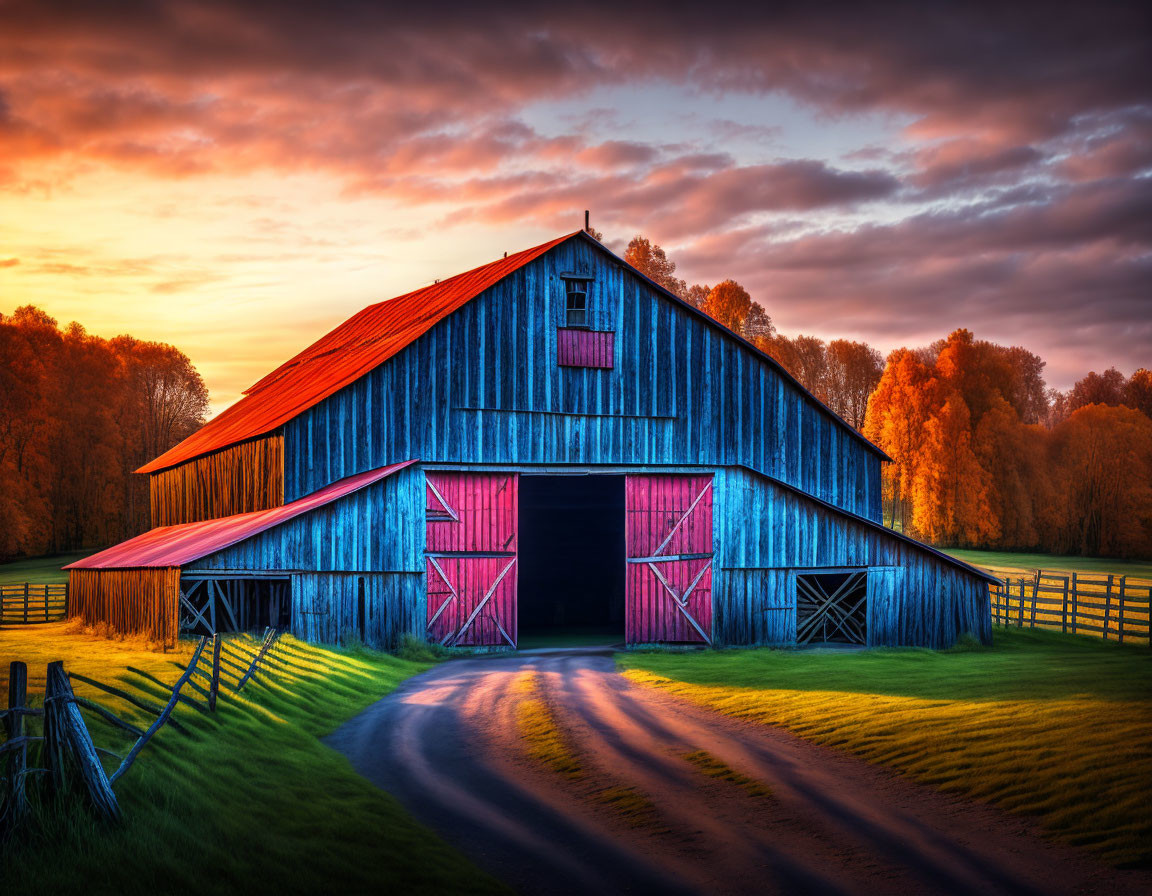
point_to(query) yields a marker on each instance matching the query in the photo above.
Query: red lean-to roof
(363, 342)
(177, 545)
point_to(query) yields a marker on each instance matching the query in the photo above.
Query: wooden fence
(64, 748)
(25, 603)
(1112, 607)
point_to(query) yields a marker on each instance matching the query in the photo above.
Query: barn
(549, 443)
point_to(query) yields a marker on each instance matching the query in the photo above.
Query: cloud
(1016, 176)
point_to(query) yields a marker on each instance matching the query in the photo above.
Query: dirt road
(448, 745)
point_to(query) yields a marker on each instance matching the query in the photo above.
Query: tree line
(78, 414)
(984, 455)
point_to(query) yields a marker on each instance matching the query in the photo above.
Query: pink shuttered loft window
(585, 348)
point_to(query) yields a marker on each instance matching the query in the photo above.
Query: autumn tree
(896, 420)
(77, 415)
(729, 303)
(949, 492)
(1102, 463)
(652, 261)
(1098, 388)
(758, 328)
(1138, 391)
(852, 370)
(696, 295)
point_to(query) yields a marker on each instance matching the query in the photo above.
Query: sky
(237, 178)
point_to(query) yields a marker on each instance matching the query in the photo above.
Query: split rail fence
(25, 603)
(63, 747)
(1114, 607)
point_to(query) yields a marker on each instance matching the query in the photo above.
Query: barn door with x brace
(471, 558)
(668, 592)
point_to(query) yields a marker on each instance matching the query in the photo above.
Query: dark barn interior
(832, 608)
(213, 604)
(571, 558)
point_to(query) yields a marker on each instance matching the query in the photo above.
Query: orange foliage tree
(971, 467)
(77, 415)
(729, 303)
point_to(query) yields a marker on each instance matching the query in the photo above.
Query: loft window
(576, 303)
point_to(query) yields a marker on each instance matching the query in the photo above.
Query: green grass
(1008, 560)
(1055, 726)
(39, 570)
(249, 801)
(545, 741)
(714, 767)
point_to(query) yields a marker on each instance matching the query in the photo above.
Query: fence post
(53, 731)
(1035, 593)
(17, 798)
(1075, 603)
(25, 603)
(1107, 606)
(71, 729)
(214, 687)
(1120, 622)
(1064, 611)
(1020, 607)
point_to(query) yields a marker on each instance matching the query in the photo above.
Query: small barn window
(576, 303)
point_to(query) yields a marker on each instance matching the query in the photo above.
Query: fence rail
(63, 746)
(26, 603)
(1114, 607)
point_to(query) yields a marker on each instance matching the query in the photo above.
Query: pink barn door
(471, 558)
(668, 592)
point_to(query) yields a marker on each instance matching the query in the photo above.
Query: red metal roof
(177, 545)
(363, 342)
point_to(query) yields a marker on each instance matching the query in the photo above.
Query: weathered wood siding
(376, 529)
(375, 535)
(325, 607)
(764, 532)
(129, 601)
(668, 542)
(485, 386)
(248, 476)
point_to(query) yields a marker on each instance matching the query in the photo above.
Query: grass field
(249, 801)
(1000, 562)
(1056, 726)
(39, 570)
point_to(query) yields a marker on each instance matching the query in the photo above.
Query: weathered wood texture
(356, 565)
(326, 607)
(248, 476)
(585, 348)
(376, 529)
(131, 601)
(69, 726)
(471, 543)
(485, 386)
(27, 603)
(765, 533)
(15, 803)
(1112, 607)
(668, 543)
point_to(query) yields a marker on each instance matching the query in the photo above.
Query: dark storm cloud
(1030, 134)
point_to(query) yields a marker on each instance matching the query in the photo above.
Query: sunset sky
(237, 178)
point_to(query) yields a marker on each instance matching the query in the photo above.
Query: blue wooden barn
(551, 443)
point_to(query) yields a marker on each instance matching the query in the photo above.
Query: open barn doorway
(832, 608)
(571, 560)
(211, 604)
